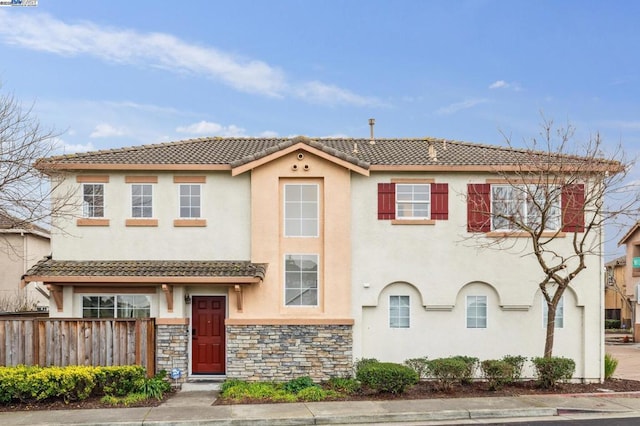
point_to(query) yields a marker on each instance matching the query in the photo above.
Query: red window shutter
(573, 208)
(386, 201)
(439, 201)
(479, 207)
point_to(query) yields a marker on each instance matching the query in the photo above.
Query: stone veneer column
(172, 348)
(284, 352)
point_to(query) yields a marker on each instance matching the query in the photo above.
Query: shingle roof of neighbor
(238, 151)
(147, 268)
(11, 223)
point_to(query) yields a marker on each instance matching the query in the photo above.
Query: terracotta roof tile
(143, 268)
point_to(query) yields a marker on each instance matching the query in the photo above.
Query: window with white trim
(301, 210)
(413, 201)
(476, 311)
(116, 306)
(559, 313)
(141, 200)
(93, 200)
(190, 201)
(399, 311)
(301, 279)
(525, 204)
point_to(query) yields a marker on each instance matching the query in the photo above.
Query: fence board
(61, 342)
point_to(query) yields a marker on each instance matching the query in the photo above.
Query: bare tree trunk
(551, 328)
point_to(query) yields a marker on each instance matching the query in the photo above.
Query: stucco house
(21, 245)
(265, 258)
(617, 303)
(631, 240)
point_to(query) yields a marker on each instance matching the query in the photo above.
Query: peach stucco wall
(265, 301)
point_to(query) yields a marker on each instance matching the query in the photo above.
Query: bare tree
(25, 192)
(560, 189)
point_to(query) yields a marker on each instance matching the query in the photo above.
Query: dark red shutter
(386, 201)
(439, 201)
(479, 207)
(573, 208)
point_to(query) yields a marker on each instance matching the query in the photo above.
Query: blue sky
(116, 73)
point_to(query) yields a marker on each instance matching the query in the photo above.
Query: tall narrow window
(301, 210)
(190, 201)
(399, 311)
(93, 200)
(141, 200)
(413, 201)
(476, 311)
(559, 313)
(301, 279)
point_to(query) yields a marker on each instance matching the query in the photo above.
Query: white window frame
(190, 198)
(410, 201)
(150, 185)
(559, 313)
(301, 288)
(116, 301)
(399, 311)
(287, 231)
(87, 207)
(475, 319)
(520, 202)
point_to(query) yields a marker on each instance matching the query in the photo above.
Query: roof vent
(433, 155)
(372, 122)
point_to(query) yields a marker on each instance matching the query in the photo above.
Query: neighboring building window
(93, 200)
(476, 311)
(413, 201)
(190, 201)
(116, 306)
(524, 204)
(399, 311)
(301, 210)
(141, 200)
(301, 279)
(559, 313)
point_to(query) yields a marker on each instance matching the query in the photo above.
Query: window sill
(141, 222)
(88, 221)
(519, 234)
(178, 223)
(413, 222)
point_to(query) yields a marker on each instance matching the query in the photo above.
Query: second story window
(413, 201)
(141, 200)
(301, 210)
(529, 205)
(190, 201)
(92, 200)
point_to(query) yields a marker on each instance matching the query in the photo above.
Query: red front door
(207, 335)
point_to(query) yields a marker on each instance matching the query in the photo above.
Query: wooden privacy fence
(61, 342)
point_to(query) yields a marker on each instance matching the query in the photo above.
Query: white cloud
(459, 106)
(268, 134)
(209, 128)
(501, 84)
(63, 147)
(42, 32)
(104, 130)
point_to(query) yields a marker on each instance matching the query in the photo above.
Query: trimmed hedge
(552, 370)
(386, 377)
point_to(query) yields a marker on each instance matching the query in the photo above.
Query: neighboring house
(21, 246)
(617, 305)
(632, 272)
(276, 258)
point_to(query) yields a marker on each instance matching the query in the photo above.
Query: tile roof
(147, 268)
(238, 151)
(11, 223)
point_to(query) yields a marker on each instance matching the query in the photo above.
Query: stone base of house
(172, 349)
(285, 352)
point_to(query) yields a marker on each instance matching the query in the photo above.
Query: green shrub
(345, 386)
(265, 391)
(296, 385)
(471, 364)
(154, 387)
(552, 370)
(517, 362)
(120, 380)
(419, 365)
(610, 365)
(363, 362)
(611, 324)
(386, 377)
(497, 372)
(447, 371)
(313, 393)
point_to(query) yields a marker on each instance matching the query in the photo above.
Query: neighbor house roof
(9, 224)
(144, 270)
(629, 233)
(620, 261)
(378, 154)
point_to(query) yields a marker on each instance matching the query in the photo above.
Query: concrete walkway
(628, 356)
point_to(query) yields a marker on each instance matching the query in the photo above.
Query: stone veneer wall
(284, 352)
(172, 348)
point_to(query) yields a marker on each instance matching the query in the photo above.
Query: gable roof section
(236, 153)
(629, 233)
(147, 271)
(10, 224)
